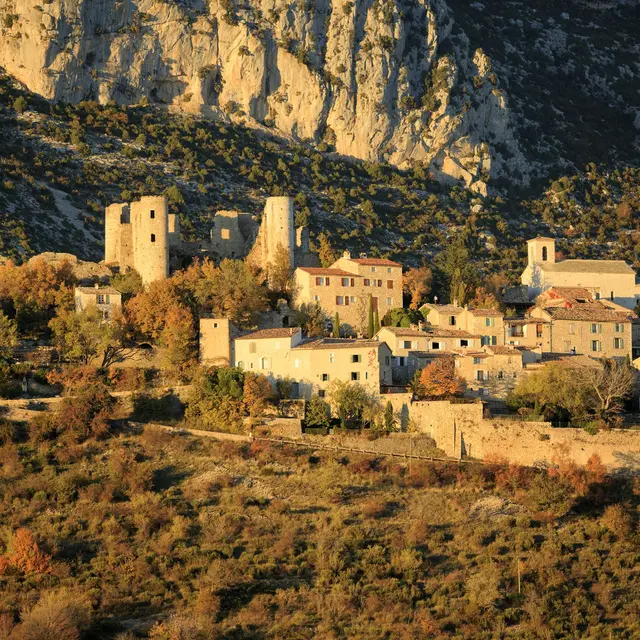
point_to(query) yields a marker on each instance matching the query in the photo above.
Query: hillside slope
(477, 91)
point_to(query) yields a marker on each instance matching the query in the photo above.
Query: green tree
(317, 413)
(354, 405)
(280, 271)
(311, 319)
(376, 322)
(457, 269)
(20, 104)
(336, 326)
(371, 322)
(399, 317)
(389, 418)
(129, 283)
(8, 336)
(83, 336)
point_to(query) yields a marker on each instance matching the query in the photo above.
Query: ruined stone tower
(138, 236)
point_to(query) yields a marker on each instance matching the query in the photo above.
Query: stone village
(576, 312)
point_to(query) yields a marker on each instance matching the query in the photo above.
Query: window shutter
(353, 282)
(328, 281)
(317, 282)
(389, 284)
(337, 299)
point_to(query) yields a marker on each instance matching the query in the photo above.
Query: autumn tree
(326, 252)
(280, 271)
(257, 393)
(440, 380)
(26, 555)
(8, 336)
(83, 336)
(417, 284)
(177, 337)
(148, 310)
(483, 299)
(231, 290)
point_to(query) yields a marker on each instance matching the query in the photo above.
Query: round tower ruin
(149, 218)
(278, 218)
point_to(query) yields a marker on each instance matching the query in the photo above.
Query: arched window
(544, 254)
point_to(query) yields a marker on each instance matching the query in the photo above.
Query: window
(265, 363)
(100, 299)
(252, 347)
(386, 360)
(619, 327)
(321, 393)
(464, 343)
(435, 346)
(367, 282)
(331, 358)
(215, 325)
(316, 298)
(153, 237)
(373, 269)
(500, 375)
(489, 322)
(480, 375)
(544, 254)
(489, 340)
(296, 363)
(538, 331)
(596, 345)
(572, 328)
(452, 321)
(388, 269)
(340, 300)
(239, 364)
(401, 360)
(225, 234)
(345, 282)
(618, 343)
(389, 284)
(596, 328)
(477, 361)
(325, 377)
(352, 299)
(355, 375)
(597, 295)
(611, 296)
(388, 302)
(321, 281)
(406, 344)
(379, 283)
(152, 213)
(356, 358)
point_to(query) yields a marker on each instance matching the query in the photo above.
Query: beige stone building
(283, 353)
(614, 280)
(404, 342)
(107, 300)
(347, 287)
(487, 323)
(490, 373)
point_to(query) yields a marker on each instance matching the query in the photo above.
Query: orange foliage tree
(417, 283)
(26, 555)
(440, 380)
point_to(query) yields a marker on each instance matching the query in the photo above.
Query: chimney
(96, 286)
(363, 255)
(455, 302)
(347, 255)
(421, 326)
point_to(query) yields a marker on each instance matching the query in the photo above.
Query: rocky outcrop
(380, 80)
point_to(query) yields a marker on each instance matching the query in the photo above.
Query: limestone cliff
(374, 79)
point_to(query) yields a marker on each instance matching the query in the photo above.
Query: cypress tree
(336, 326)
(376, 322)
(371, 323)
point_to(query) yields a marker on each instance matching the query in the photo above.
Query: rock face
(374, 79)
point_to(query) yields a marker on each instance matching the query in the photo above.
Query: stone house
(107, 299)
(348, 286)
(311, 363)
(590, 329)
(487, 323)
(404, 341)
(614, 280)
(490, 373)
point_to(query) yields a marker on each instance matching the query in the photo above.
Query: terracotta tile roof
(404, 332)
(500, 350)
(329, 271)
(265, 334)
(444, 308)
(486, 312)
(589, 312)
(568, 293)
(375, 262)
(338, 343)
(588, 266)
(442, 332)
(102, 290)
(540, 238)
(571, 360)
